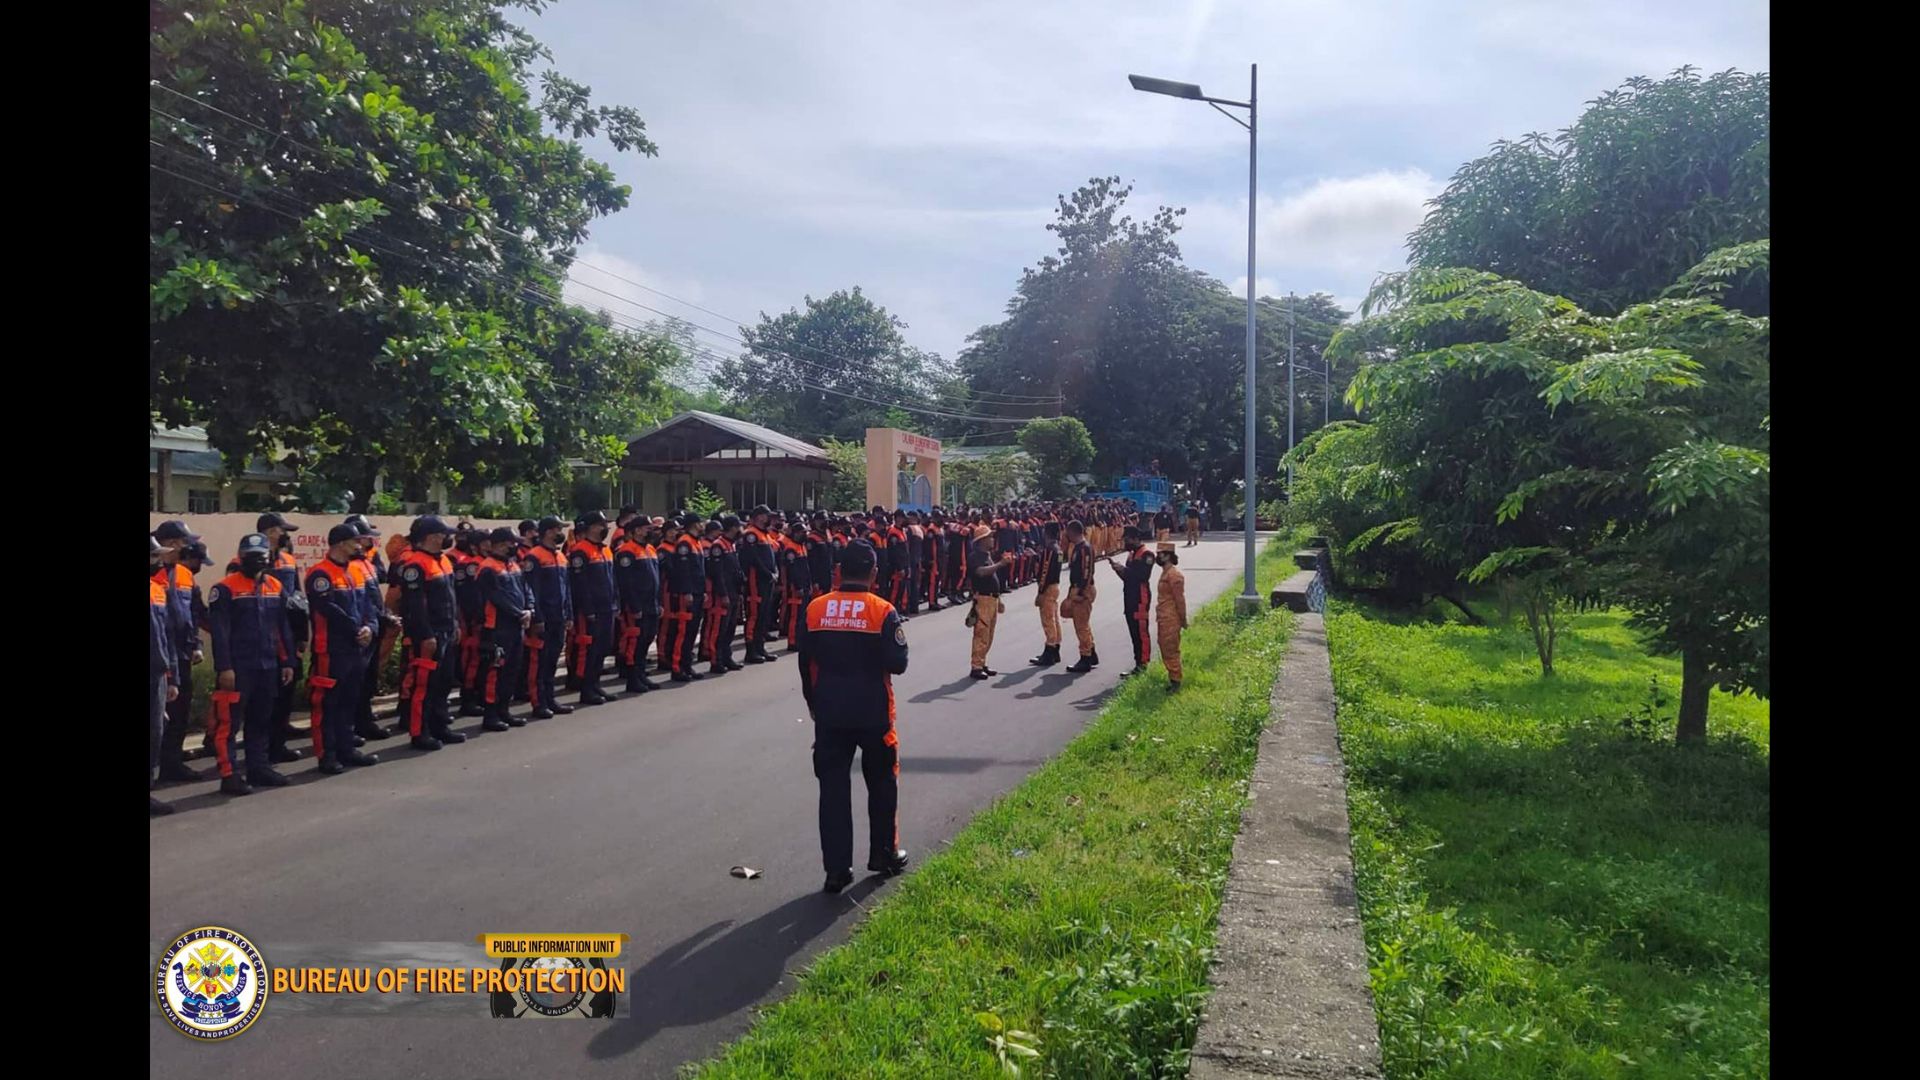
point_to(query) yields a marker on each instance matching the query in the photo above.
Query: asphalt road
(621, 818)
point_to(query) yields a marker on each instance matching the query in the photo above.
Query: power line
(987, 397)
(559, 302)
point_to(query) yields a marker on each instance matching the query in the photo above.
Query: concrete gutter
(1290, 993)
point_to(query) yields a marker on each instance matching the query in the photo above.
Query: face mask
(253, 564)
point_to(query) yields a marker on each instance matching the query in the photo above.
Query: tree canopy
(1651, 178)
(359, 219)
(1112, 328)
(833, 369)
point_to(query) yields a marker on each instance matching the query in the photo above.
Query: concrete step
(1304, 591)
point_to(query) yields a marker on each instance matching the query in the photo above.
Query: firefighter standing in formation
(492, 610)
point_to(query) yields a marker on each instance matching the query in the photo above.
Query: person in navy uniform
(851, 646)
(636, 570)
(253, 657)
(1136, 595)
(160, 688)
(595, 599)
(506, 613)
(344, 620)
(758, 551)
(547, 573)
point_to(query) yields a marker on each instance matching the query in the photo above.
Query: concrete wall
(222, 533)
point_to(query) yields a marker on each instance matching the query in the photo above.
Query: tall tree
(1516, 437)
(1148, 353)
(1651, 178)
(836, 368)
(1059, 448)
(359, 218)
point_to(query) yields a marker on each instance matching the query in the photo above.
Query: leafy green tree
(1149, 354)
(994, 478)
(848, 488)
(1573, 457)
(359, 219)
(1058, 447)
(704, 503)
(1651, 178)
(837, 368)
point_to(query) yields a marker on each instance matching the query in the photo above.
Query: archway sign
(903, 469)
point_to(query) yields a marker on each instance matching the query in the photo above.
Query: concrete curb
(1290, 992)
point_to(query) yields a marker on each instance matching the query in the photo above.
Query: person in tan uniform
(1047, 597)
(1077, 605)
(984, 572)
(1170, 609)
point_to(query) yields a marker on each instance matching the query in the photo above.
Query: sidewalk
(1290, 992)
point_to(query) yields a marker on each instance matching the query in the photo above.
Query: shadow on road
(1017, 678)
(946, 691)
(1050, 685)
(719, 970)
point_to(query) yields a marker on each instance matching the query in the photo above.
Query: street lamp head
(1167, 87)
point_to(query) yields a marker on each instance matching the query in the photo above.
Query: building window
(677, 493)
(253, 502)
(630, 493)
(749, 493)
(203, 501)
(813, 495)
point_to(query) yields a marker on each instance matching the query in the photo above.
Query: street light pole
(1291, 399)
(1248, 602)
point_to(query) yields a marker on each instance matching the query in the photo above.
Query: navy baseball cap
(175, 530)
(857, 559)
(342, 533)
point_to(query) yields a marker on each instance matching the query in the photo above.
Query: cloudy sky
(916, 150)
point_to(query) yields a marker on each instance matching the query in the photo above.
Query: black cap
(175, 530)
(525, 525)
(628, 511)
(762, 508)
(196, 550)
(729, 521)
(255, 543)
(273, 521)
(342, 533)
(857, 559)
(427, 526)
(365, 527)
(1132, 532)
(549, 523)
(593, 517)
(503, 535)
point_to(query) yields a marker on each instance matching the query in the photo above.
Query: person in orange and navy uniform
(279, 533)
(758, 554)
(430, 619)
(684, 574)
(465, 557)
(344, 622)
(183, 639)
(506, 611)
(636, 570)
(1136, 595)
(723, 596)
(796, 576)
(595, 598)
(253, 656)
(546, 569)
(626, 524)
(851, 645)
(160, 688)
(374, 572)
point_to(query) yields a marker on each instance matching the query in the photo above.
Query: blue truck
(1149, 493)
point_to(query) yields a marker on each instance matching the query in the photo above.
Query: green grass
(1549, 891)
(1080, 907)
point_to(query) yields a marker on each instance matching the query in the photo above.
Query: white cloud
(916, 149)
(1262, 286)
(603, 281)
